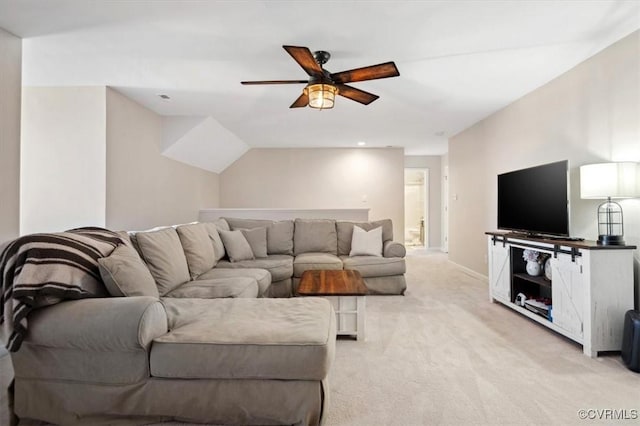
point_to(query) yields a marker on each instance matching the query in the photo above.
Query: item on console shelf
(538, 306)
(547, 269)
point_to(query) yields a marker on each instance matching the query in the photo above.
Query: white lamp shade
(615, 180)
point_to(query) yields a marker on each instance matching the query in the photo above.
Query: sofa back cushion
(215, 240)
(222, 224)
(345, 232)
(315, 236)
(162, 252)
(279, 233)
(124, 274)
(257, 239)
(198, 248)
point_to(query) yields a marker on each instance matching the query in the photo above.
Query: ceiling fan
(322, 86)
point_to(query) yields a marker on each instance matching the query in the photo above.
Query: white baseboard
(471, 272)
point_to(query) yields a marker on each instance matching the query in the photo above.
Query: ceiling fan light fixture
(321, 96)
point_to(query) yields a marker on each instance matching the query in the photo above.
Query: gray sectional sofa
(199, 333)
(295, 246)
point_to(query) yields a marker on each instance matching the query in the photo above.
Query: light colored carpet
(444, 355)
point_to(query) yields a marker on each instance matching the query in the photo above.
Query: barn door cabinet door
(499, 272)
(568, 290)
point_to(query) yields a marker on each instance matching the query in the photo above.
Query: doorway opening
(416, 197)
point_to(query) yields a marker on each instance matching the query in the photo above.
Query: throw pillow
(345, 232)
(279, 233)
(366, 243)
(124, 274)
(236, 245)
(257, 239)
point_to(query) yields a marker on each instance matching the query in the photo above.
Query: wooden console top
(585, 244)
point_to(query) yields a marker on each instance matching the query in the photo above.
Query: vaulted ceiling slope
(459, 62)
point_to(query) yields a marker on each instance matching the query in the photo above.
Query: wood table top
(332, 283)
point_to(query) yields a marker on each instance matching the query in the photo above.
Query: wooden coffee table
(346, 291)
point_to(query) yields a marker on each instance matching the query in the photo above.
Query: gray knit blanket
(42, 269)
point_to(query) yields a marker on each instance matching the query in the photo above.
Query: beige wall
(91, 156)
(434, 164)
(10, 88)
(319, 178)
(62, 158)
(145, 189)
(589, 114)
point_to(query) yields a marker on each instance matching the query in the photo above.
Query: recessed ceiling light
(164, 97)
(362, 143)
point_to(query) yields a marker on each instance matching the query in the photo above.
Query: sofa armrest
(100, 324)
(393, 249)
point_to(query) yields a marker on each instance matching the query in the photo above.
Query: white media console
(590, 289)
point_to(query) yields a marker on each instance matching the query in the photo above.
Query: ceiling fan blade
(305, 59)
(373, 72)
(302, 101)
(274, 82)
(357, 95)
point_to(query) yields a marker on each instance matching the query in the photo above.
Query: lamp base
(610, 240)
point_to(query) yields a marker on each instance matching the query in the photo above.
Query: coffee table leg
(360, 314)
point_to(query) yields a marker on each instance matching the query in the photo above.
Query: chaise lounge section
(137, 360)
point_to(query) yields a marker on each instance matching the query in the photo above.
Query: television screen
(535, 200)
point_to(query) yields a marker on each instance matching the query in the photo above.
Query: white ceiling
(459, 61)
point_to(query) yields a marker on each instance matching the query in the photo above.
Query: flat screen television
(535, 201)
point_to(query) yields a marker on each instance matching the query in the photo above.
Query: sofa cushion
(313, 261)
(345, 232)
(279, 233)
(216, 288)
(315, 236)
(280, 237)
(280, 266)
(238, 223)
(162, 252)
(257, 239)
(197, 247)
(375, 266)
(288, 339)
(216, 241)
(366, 243)
(222, 224)
(391, 284)
(262, 276)
(236, 245)
(124, 236)
(124, 274)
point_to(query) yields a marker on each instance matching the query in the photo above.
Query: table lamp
(610, 181)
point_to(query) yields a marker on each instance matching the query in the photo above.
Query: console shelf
(590, 290)
(536, 280)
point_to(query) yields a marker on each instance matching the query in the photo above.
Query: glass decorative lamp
(609, 181)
